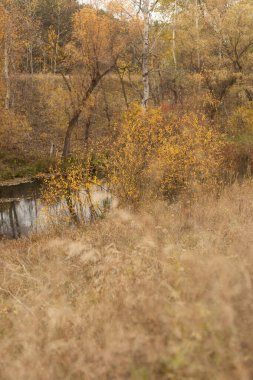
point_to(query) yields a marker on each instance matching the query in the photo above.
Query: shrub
(68, 192)
(164, 155)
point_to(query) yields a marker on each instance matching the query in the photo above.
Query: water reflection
(20, 216)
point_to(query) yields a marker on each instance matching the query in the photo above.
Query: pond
(22, 211)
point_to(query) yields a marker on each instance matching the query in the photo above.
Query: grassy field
(165, 294)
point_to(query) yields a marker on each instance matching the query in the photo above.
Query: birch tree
(6, 35)
(146, 7)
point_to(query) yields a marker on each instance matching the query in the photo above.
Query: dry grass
(163, 295)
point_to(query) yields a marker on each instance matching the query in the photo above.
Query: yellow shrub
(68, 189)
(158, 155)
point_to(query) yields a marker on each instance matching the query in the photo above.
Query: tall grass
(162, 295)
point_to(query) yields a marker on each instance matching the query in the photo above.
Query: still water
(22, 210)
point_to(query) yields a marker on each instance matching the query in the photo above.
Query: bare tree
(96, 53)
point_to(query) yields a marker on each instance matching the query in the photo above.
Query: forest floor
(162, 294)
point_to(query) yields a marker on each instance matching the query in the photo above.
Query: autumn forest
(70, 71)
(126, 195)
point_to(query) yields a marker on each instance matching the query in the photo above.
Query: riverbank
(165, 294)
(16, 166)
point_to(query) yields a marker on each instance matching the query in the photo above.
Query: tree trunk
(87, 133)
(74, 120)
(31, 60)
(52, 150)
(174, 36)
(67, 141)
(18, 229)
(106, 107)
(12, 225)
(6, 72)
(198, 36)
(123, 88)
(145, 56)
(248, 95)
(71, 207)
(56, 54)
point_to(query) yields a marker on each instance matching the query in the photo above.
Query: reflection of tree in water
(24, 215)
(81, 207)
(2, 223)
(4, 219)
(18, 217)
(14, 222)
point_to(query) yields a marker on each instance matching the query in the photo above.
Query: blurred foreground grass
(164, 294)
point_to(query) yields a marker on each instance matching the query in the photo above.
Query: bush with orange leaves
(158, 154)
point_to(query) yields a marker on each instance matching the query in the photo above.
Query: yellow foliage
(68, 188)
(90, 28)
(100, 37)
(155, 155)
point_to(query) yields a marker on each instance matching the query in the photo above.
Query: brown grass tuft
(163, 295)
